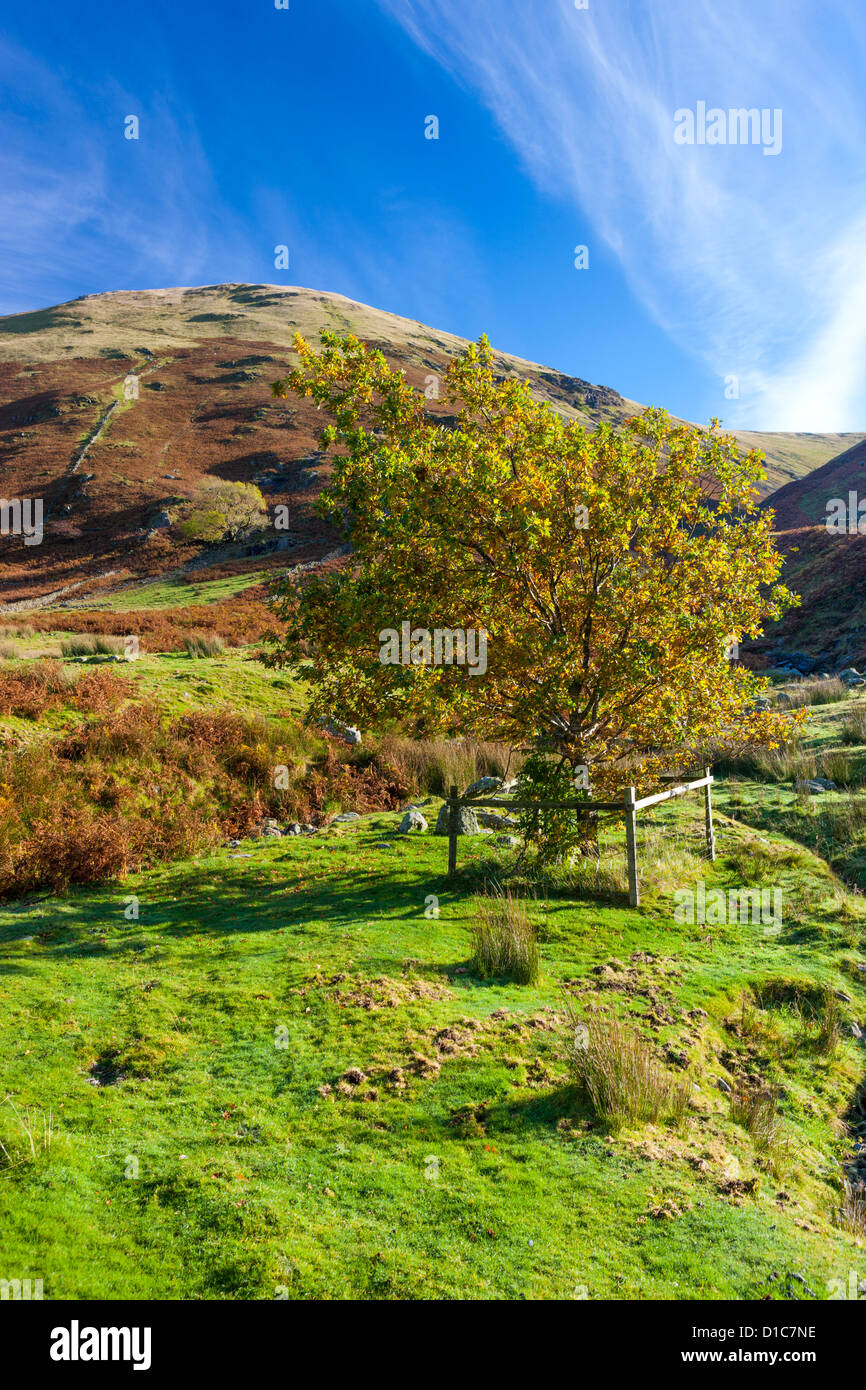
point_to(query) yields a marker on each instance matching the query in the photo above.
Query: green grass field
(176, 593)
(272, 1071)
(194, 1155)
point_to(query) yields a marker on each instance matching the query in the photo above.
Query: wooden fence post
(708, 816)
(453, 812)
(631, 847)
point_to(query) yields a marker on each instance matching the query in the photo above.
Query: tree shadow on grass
(480, 876)
(563, 1108)
(544, 1110)
(224, 900)
(460, 975)
(10, 967)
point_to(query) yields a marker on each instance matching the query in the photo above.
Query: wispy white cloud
(753, 263)
(80, 203)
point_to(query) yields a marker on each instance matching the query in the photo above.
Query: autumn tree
(222, 511)
(609, 569)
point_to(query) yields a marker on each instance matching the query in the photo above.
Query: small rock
(494, 821)
(467, 821)
(507, 841)
(723, 1085)
(346, 817)
(337, 729)
(813, 786)
(412, 822)
(800, 1280)
(483, 785)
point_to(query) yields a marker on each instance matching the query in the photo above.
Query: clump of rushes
(621, 1076)
(818, 692)
(851, 1215)
(756, 1108)
(204, 644)
(25, 1134)
(504, 938)
(823, 1030)
(854, 727)
(93, 644)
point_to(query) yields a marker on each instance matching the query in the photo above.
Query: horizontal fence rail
(628, 808)
(545, 805)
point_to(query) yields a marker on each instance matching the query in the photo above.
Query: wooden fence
(628, 808)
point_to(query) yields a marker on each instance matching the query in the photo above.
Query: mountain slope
(110, 469)
(803, 502)
(827, 568)
(791, 456)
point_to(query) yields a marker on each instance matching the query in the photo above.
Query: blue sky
(305, 127)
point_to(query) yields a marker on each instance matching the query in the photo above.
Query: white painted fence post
(708, 817)
(631, 847)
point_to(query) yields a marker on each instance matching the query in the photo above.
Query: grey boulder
(495, 821)
(483, 785)
(467, 821)
(347, 732)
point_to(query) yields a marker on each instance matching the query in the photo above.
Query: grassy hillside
(791, 456)
(265, 1070)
